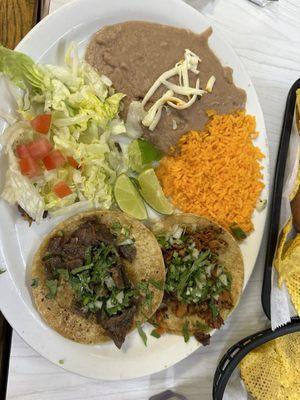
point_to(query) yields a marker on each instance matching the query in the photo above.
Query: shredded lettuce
(20, 69)
(85, 121)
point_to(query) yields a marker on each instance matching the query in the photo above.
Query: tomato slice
(73, 162)
(22, 151)
(41, 123)
(61, 189)
(54, 160)
(39, 148)
(29, 167)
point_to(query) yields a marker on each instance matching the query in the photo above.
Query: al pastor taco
(204, 275)
(97, 275)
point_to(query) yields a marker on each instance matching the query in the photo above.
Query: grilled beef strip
(117, 326)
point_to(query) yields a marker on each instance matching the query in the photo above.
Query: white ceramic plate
(47, 42)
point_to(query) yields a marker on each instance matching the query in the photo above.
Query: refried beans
(134, 54)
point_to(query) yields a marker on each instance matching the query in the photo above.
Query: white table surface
(268, 42)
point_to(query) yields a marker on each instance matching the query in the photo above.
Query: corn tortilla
(231, 258)
(59, 314)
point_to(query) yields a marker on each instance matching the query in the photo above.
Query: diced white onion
(195, 253)
(177, 233)
(223, 279)
(120, 297)
(109, 282)
(98, 304)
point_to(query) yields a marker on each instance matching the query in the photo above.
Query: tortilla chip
(280, 250)
(261, 371)
(231, 258)
(288, 348)
(290, 269)
(58, 313)
(272, 371)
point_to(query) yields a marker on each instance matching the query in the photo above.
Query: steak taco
(97, 275)
(204, 275)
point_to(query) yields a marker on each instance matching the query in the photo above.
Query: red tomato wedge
(41, 123)
(29, 167)
(54, 160)
(39, 148)
(73, 162)
(22, 151)
(61, 189)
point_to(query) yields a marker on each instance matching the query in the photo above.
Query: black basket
(238, 351)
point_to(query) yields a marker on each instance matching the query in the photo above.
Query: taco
(204, 275)
(97, 275)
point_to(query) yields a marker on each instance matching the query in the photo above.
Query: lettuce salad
(84, 127)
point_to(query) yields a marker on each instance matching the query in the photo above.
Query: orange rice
(216, 172)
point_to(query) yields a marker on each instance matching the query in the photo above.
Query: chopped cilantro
(237, 232)
(76, 271)
(47, 257)
(141, 332)
(64, 274)
(193, 276)
(185, 331)
(144, 291)
(157, 284)
(201, 327)
(35, 283)
(88, 255)
(52, 286)
(2, 271)
(61, 362)
(155, 334)
(116, 226)
(214, 310)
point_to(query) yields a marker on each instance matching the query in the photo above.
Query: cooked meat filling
(196, 283)
(92, 260)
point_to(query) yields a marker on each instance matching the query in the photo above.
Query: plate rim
(25, 41)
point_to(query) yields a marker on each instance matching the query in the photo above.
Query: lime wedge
(142, 153)
(152, 192)
(128, 198)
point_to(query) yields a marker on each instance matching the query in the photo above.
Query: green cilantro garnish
(185, 332)
(78, 270)
(193, 276)
(141, 332)
(201, 327)
(237, 232)
(61, 362)
(35, 283)
(52, 286)
(214, 310)
(157, 284)
(155, 334)
(2, 271)
(146, 293)
(116, 226)
(47, 257)
(64, 274)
